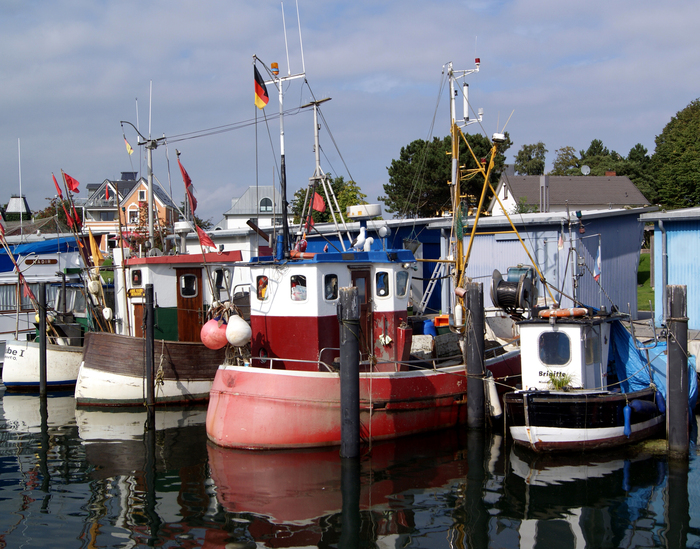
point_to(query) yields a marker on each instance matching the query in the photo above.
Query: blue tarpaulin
(632, 367)
(50, 246)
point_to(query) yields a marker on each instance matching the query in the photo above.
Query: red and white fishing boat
(288, 395)
(286, 392)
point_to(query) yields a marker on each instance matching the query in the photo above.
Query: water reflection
(99, 479)
(296, 498)
(600, 500)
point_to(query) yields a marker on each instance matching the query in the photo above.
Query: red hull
(262, 408)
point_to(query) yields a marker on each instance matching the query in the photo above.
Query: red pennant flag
(58, 189)
(72, 183)
(78, 222)
(261, 97)
(204, 238)
(27, 290)
(188, 186)
(69, 219)
(318, 204)
(309, 223)
(106, 192)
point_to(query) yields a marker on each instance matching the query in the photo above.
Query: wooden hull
(261, 408)
(21, 367)
(113, 371)
(568, 421)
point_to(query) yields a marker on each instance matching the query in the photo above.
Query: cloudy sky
(563, 73)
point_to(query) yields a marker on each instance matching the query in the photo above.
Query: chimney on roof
(544, 193)
(610, 174)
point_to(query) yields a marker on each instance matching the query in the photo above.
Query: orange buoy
(212, 335)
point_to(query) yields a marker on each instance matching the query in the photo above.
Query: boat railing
(263, 360)
(418, 364)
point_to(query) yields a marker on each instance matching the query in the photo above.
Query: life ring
(563, 313)
(296, 254)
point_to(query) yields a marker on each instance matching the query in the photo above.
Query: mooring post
(42, 339)
(349, 321)
(350, 522)
(677, 420)
(474, 355)
(150, 335)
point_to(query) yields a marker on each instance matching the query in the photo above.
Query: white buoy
(107, 313)
(492, 395)
(238, 331)
(459, 315)
(94, 287)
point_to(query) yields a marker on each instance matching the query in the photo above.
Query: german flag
(261, 97)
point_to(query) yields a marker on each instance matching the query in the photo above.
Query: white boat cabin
(184, 287)
(294, 308)
(560, 353)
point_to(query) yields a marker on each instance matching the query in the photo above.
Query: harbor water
(94, 478)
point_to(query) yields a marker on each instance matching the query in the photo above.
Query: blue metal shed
(559, 247)
(675, 261)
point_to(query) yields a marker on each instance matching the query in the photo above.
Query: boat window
(555, 348)
(261, 284)
(401, 283)
(222, 284)
(330, 284)
(79, 303)
(382, 282)
(361, 289)
(298, 283)
(592, 345)
(136, 279)
(188, 285)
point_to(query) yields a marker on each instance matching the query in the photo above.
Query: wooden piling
(677, 372)
(150, 345)
(474, 355)
(349, 321)
(42, 339)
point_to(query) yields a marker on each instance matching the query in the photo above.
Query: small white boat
(21, 367)
(585, 386)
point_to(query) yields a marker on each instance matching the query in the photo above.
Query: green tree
(347, 193)
(530, 159)
(56, 208)
(566, 162)
(637, 166)
(418, 179)
(523, 207)
(676, 160)
(600, 160)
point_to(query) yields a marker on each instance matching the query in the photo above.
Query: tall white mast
(279, 82)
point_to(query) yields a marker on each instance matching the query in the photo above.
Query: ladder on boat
(437, 275)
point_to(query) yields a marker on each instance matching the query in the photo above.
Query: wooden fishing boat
(113, 369)
(571, 398)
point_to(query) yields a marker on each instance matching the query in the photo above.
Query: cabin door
(363, 282)
(189, 304)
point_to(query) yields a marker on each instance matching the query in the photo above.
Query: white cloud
(570, 72)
